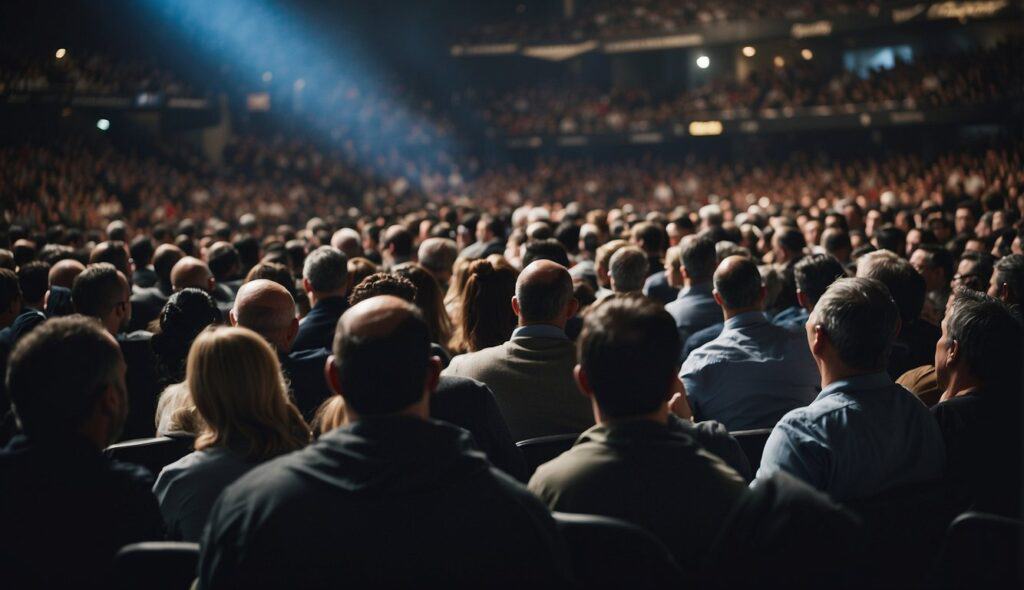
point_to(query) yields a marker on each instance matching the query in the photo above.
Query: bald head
(268, 309)
(63, 273)
(382, 361)
(544, 294)
(348, 241)
(164, 259)
(738, 284)
(191, 272)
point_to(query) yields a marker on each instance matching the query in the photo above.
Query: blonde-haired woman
(239, 392)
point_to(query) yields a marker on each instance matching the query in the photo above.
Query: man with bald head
(390, 498)
(348, 241)
(63, 272)
(531, 375)
(268, 309)
(190, 272)
(148, 303)
(754, 372)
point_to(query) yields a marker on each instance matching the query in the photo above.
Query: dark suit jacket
(146, 307)
(316, 330)
(482, 249)
(657, 288)
(143, 381)
(914, 347)
(145, 277)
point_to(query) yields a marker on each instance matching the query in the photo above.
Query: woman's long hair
(428, 300)
(485, 316)
(236, 384)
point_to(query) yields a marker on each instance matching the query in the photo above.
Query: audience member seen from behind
(484, 317)
(978, 364)
(429, 299)
(59, 495)
(325, 282)
(863, 434)
(695, 308)
(247, 418)
(389, 483)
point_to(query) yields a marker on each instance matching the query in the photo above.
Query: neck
(315, 297)
(830, 373)
(731, 313)
(557, 322)
(660, 415)
(690, 283)
(960, 384)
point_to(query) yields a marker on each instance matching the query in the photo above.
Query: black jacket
(387, 501)
(143, 380)
(66, 509)
(316, 330)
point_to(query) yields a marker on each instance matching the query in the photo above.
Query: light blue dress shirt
(793, 318)
(751, 375)
(861, 436)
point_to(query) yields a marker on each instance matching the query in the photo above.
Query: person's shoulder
(462, 387)
(308, 356)
(128, 477)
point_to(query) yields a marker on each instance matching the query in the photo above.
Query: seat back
(608, 552)
(160, 565)
(752, 442)
(540, 450)
(981, 550)
(152, 453)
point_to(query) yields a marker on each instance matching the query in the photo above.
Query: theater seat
(611, 553)
(159, 565)
(752, 442)
(152, 453)
(540, 450)
(981, 551)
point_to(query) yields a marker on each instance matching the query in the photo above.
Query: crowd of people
(634, 18)
(87, 72)
(983, 76)
(351, 385)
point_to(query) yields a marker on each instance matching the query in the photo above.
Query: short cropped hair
(1010, 271)
(815, 273)
(860, 318)
(548, 249)
(628, 269)
(10, 288)
(901, 279)
(990, 336)
(741, 286)
(541, 301)
(326, 269)
(383, 373)
(48, 401)
(699, 257)
(383, 283)
(97, 289)
(629, 350)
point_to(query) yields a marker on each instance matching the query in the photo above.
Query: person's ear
(293, 331)
(232, 317)
(433, 375)
(1004, 292)
(763, 294)
(331, 375)
(211, 284)
(582, 381)
(571, 308)
(952, 353)
(683, 273)
(515, 305)
(306, 285)
(803, 300)
(819, 341)
(718, 298)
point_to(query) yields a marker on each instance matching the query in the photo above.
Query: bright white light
(749, 51)
(300, 84)
(806, 54)
(779, 61)
(61, 53)
(268, 76)
(703, 62)
(103, 124)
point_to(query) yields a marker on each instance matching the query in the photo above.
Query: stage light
(806, 54)
(749, 51)
(703, 62)
(103, 124)
(61, 53)
(779, 61)
(268, 76)
(300, 84)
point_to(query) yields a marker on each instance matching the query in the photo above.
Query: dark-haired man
(490, 239)
(753, 372)
(695, 308)
(813, 274)
(863, 434)
(391, 498)
(1007, 282)
(637, 464)
(147, 303)
(58, 494)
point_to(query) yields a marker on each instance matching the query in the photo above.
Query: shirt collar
(539, 331)
(864, 382)
(747, 318)
(698, 289)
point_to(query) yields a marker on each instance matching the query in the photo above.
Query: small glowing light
(300, 84)
(699, 128)
(61, 53)
(268, 76)
(703, 62)
(103, 124)
(779, 61)
(749, 51)
(806, 54)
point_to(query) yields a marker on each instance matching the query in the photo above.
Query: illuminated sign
(821, 28)
(653, 43)
(705, 128)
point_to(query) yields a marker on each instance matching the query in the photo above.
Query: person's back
(66, 509)
(695, 307)
(391, 498)
(636, 464)
(863, 434)
(531, 374)
(325, 281)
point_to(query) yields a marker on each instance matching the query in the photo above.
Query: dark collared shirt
(316, 330)
(694, 310)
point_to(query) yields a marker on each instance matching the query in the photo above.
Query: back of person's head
(988, 339)
(429, 299)
(438, 256)
(936, 256)
(605, 252)
(791, 240)
(548, 249)
(112, 252)
(142, 250)
(699, 257)
(485, 316)
(628, 269)
(649, 237)
(381, 356)
(543, 291)
(325, 270)
(383, 283)
(57, 374)
(398, 240)
(191, 273)
(224, 261)
(266, 308)
(891, 238)
(117, 230)
(1007, 279)
(272, 271)
(248, 249)
(836, 241)
(98, 289)
(164, 259)
(738, 282)
(815, 273)
(629, 353)
(34, 278)
(186, 313)
(238, 389)
(10, 292)
(860, 320)
(348, 241)
(901, 279)
(64, 272)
